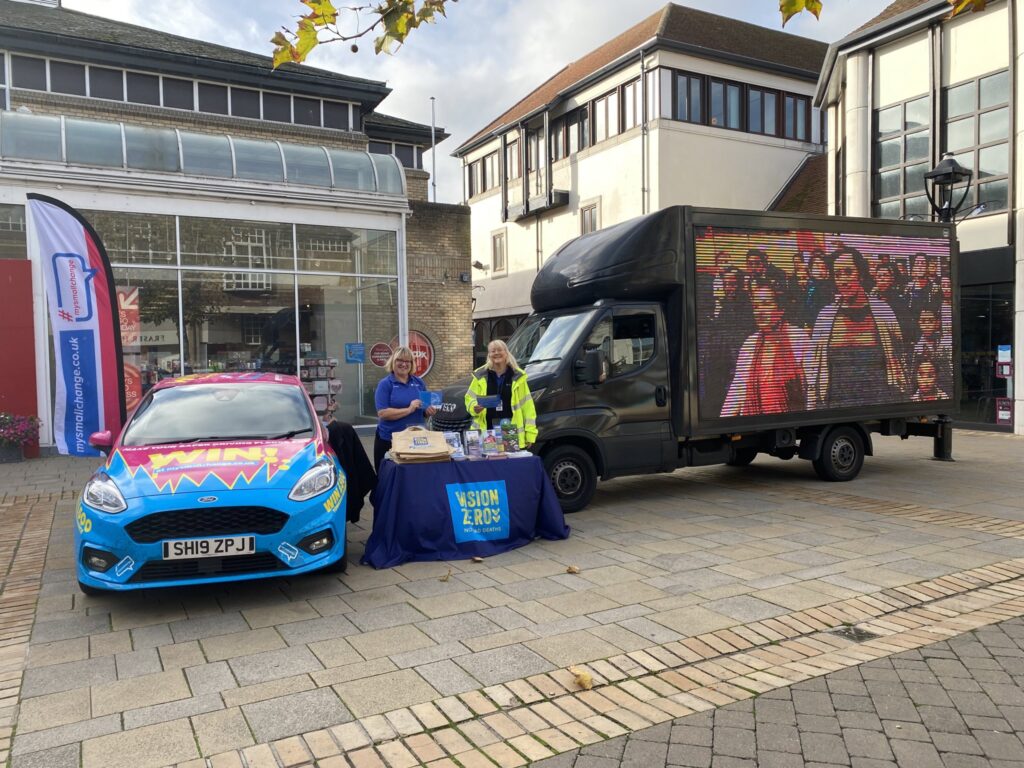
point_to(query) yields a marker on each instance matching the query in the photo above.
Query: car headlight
(320, 478)
(103, 494)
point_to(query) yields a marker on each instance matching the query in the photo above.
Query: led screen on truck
(797, 321)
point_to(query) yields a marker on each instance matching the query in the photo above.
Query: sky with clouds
(479, 61)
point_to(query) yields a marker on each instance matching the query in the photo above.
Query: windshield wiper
(544, 360)
(286, 435)
(208, 439)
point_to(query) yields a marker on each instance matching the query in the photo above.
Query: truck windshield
(543, 338)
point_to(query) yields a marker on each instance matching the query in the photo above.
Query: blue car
(215, 478)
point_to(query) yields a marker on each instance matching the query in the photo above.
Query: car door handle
(660, 396)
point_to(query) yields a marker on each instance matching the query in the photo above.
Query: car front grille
(173, 570)
(207, 521)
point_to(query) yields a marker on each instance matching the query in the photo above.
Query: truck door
(631, 408)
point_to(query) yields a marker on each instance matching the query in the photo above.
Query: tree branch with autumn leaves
(393, 20)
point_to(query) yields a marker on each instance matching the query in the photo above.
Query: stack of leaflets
(474, 445)
(454, 440)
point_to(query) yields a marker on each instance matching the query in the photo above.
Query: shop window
(236, 245)
(66, 77)
(902, 155)
(336, 115)
(328, 249)
(499, 262)
(213, 99)
(976, 117)
(143, 89)
(377, 252)
(150, 339)
(106, 83)
(258, 160)
(278, 107)
(245, 103)
(136, 238)
(179, 94)
(28, 72)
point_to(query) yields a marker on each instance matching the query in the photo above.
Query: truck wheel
(842, 455)
(573, 476)
(741, 457)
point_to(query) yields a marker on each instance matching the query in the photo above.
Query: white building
(686, 107)
(900, 92)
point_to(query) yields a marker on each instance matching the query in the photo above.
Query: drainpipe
(643, 135)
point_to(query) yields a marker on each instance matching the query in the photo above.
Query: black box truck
(691, 337)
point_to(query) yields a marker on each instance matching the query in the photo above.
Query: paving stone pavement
(955, 704)
(196, 674)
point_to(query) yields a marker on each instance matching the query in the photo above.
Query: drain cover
(855, 634)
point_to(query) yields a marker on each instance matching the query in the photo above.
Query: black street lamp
(944, 177)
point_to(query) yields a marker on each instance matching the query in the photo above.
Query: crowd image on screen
(854, 324)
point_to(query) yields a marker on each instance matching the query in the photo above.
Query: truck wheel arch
(580, 440)
(812, 439)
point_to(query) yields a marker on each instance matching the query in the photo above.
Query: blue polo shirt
(391, 393)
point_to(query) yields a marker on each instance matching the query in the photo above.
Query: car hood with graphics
(211, 466)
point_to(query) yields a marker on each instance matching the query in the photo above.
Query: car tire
(742, 457)
(91, 591)
(573, 476)
(842, 455)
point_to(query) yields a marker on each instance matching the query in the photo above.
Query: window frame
(726, 111)
(592, 210)
(779, 97)
(499, 236)
(877, 138)
(974, 198)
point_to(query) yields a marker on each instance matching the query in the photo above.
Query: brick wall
(440, 305)
(416, 184)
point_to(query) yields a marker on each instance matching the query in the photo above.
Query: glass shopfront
(233, 295)
(986, 323)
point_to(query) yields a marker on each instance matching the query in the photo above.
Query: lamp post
(944, 178)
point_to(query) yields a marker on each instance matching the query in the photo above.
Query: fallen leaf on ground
(583, 678)
(446, 576)
(573, 569)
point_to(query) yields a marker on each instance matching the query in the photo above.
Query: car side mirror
(592, 368)
(102, 441)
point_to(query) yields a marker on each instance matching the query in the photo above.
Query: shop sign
(422, 352)
(480, 511)
(379, 354)
(355, 353)
(132, 386)
(128, 314)
(1004, 411)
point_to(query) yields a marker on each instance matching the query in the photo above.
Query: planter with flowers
(16, 432)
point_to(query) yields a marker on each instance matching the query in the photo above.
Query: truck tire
(842, 455)
(572, 475)
(742, 457)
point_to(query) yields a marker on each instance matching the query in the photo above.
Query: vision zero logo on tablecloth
(480, 511)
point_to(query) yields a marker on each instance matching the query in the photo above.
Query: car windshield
(543, 338)
(225, 411)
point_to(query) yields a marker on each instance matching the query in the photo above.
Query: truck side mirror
(592, 369)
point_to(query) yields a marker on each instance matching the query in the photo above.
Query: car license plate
(229, 546)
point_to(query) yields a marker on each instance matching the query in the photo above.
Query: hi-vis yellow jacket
(524, 415)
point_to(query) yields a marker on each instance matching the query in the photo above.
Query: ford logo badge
(207, 499)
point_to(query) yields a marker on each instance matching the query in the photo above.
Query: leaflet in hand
(430, 399)
(489, 401)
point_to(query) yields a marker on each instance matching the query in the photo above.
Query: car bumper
(140, 564)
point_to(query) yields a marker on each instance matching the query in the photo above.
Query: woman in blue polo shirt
(397, 401)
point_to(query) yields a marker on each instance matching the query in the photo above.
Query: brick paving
(694, 591)
(958, 703)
